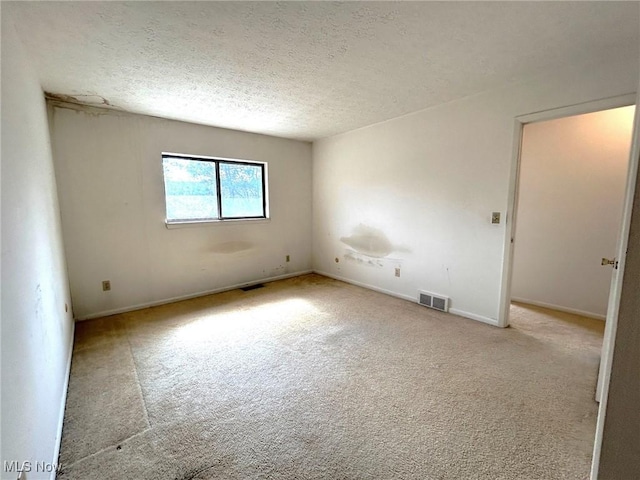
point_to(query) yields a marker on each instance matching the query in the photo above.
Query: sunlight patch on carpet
(237, 323)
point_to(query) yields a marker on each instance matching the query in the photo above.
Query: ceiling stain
(91, 100)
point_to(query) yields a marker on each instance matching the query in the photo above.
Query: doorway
(571, 189)
(512, 209)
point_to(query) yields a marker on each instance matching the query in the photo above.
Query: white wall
(424, 186)
(109, 171)
(36, 331)
(573, 174)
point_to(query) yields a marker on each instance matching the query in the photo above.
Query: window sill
(210, 223)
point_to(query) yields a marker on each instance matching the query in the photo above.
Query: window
(199, 189)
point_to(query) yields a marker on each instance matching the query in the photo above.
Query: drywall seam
(140, 306)
(559, 308)
(63, 404)
(460, 313)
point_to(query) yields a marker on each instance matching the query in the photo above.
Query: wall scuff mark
(228, 248)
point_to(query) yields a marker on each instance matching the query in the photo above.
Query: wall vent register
(435, 301)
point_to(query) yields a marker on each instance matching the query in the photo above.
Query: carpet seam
(101, 451)
(135, 372)
(144, 407)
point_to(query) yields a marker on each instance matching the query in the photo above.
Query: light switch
(495, 218)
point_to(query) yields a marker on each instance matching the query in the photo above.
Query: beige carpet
(311, 378)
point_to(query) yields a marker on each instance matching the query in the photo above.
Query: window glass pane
(190, 189)
(241, 190)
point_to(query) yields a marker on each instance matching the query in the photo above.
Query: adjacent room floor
(311, 378)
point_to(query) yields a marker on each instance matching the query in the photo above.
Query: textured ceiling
(308, 70)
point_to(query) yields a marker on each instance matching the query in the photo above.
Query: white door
(609, 328)
(606, 359)
(616, 281)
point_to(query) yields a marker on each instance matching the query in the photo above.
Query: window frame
(220, 218)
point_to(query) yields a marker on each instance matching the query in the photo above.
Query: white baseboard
(63, 403)
(453, 311)
(366, 285)
(473, 316)
(559, 308)
(106, 313)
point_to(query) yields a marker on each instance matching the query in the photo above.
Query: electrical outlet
(397, 271)
(288, 258)
(106, 285)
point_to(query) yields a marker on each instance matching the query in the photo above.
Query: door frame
(514, 184)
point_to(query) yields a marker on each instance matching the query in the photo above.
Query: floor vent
(435, 301)
(252, 287)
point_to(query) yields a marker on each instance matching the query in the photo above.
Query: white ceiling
(308, 70)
